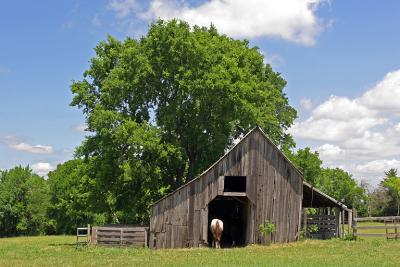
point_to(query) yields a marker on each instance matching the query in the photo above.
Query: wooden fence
(322, 226)
(391, 227)
(83, 236)
(120, 236)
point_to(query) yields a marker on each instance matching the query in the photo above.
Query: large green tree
(162, 108)
(24, 202)
(202, 89)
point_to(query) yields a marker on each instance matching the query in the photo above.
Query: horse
(216, 227)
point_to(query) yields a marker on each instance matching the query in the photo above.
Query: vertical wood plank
(196, 227)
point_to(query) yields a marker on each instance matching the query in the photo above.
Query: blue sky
(339, 57)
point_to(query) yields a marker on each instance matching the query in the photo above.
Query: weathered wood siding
(120, 236)
(273, 188)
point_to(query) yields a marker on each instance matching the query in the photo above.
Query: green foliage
(204, 89)
(311, 211)
(392, 184)
(384, 200)
(70, 190)
(378, 202)
(342, 186)
(24, 201)
(308, 163)
(391, 173)
(146, 168)
(267, 228)
(312, 228)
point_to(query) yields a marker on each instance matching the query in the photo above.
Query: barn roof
(314, 198)
(318, 198)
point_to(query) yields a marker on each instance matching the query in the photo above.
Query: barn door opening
(233, 213)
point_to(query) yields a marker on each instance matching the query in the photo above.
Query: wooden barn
(251, 183)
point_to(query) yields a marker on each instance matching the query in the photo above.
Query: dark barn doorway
(233, 213)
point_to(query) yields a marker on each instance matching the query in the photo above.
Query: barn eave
(314, 198)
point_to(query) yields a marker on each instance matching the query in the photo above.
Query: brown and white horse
(217, 227)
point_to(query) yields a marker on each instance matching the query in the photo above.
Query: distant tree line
(33, 205)
(383, 200)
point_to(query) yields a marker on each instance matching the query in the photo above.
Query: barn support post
(349, 222)
(298, 236)
(343, 230)
(305, 222)
(337, 220)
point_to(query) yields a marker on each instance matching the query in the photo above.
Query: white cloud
(361, 134)
(342, 108)
(352, 120)
(274, 60)
(96, 21)
(329, 152)
(42, 168)
(68, 25)
(13, 143)
(385, 96)
(306, 103)
(80, 127)
(378, 166)
(32, 149)
(123, 8)
(374, 171)
(327, 129)
(292, 20)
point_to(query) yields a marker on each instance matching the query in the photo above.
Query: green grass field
(60, 251)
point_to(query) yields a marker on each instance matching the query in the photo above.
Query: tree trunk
(191, 170)
(398, 207)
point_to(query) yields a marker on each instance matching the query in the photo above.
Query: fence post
(146, 245)
(349, 222)
(88, 234)
(120, 237)
(354, 224)
(94, 235)
(305, 222)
